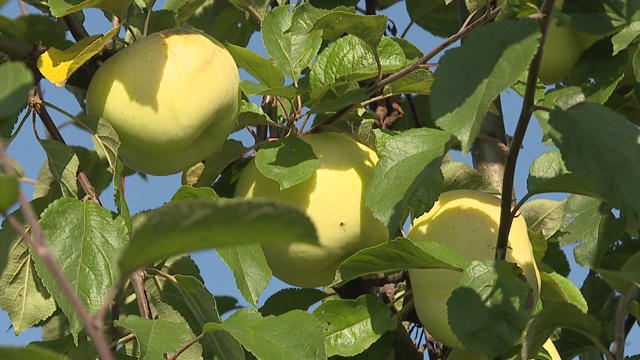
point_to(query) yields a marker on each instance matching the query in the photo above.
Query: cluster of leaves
(329, 65)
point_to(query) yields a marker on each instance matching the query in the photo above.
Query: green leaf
(331, 105)
(416, 82)
(189, 192)
(352, 326)
(548, 174)
(602, 149)
(105, 138)
(198, 224)
(18, 81)
(183, 9)
(86, 241)
(436, 16)
(167, 313)
(400, 254)
(63, 164)
(459, 175)
(625, 37)
(407, 162)
(23, 297)
(627, 278)
(471, 76)
(259, 7)
(157, 337)
(60, 8)
(544, 216)
(252, 114)
(563, 98)
(84, 349)
(490, 307)
(205, 309)
(30, 353)
(291, 52)
(118, 194)
(215, 164)
(260, 68)
(293, 335)
(289, 299)
(594, 226)
(35, 27)
(224, 22)
(350, 59)
(250, 269)
(556, 287)
(368, 28)
(289, 161)
(559, 315)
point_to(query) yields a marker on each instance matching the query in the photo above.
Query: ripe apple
(467, 221)
(172, 97)
(458, 354)
(334, 200)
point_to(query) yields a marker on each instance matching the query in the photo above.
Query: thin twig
(36, 242)
(518, 137)
(137, 281)
(23, 8)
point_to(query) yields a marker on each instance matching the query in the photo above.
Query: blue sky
(155, 191)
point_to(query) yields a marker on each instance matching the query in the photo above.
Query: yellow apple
(458, 354)
(334, 200)
(172, 97)
(466, 221)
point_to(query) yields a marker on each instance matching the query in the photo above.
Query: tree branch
(518, 137)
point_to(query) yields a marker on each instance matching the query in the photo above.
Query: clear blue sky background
(155, 191)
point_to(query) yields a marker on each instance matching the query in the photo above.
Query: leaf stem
(521, 128)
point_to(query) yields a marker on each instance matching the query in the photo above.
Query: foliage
(96, 279)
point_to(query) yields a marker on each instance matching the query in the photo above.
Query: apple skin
(172, 97)
(560, 53)
(334, 200)
(467, 221)
(457, 354)
(562, 50)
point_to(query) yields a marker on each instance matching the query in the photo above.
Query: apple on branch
(467, 221)
(172, 97)
(334, 200)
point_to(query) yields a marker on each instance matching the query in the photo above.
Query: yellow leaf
(58, 65)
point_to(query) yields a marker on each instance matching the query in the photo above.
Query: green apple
(334, 200)
(458, 354)
(562, 49)
(560, 53)
(466, 221)
(172, 97)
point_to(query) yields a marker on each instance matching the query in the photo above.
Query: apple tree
(340, 134)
